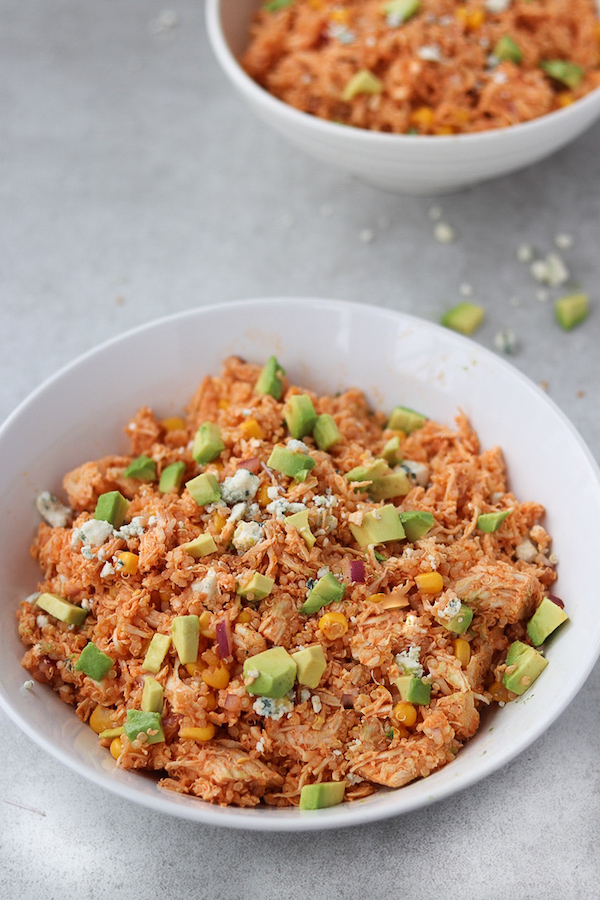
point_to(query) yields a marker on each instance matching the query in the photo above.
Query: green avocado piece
(377, 469)
(156, 652)
(310, 664)
(171, 477)
(413, 690)
(112, 507)
(528, 663)
(204, 488)
(269, 380)
(327, 590)
(148, 723)
(400, 10)
(208, 443)
(402, 418)
(492, 521)
(202, 545)
(464, 317)
(61, 609)
(255, 588)
(391, 451)
(186, 637)
(562, 70)
(571, 310)
(326, 433)
(110, 733)
(300, 521)
(396, 484)
(546, 619)
(276, 673)
(300, 416)
(93, 662)
(322, 795)
(143, 468)
(507, 48)
(416, 523)
(363, 82)
(292, 463)
(152, 696)
(378, 526)
(459, 623)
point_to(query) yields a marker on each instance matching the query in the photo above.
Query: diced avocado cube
(528, 665)
(459, 623)
(507, 48)
(111, 733)
(490, 522)
(546, 619)
(362, 82)
(402, 418)
(416, 523)
(148, 723)
(300, 521)
(562, 70)
(327, 590)
(413, 690)
(255, 588)
(396, 484)
(204, 488)
(294, 464)
(171, 477)
(208, 443)
(186, 637)
(152, 696)
(202, 545)
(322, 795)
(378, 526)
(93, 662)
(156, 652)
(310, 664)
(300, 416)
(464, 317)
(377, 469)
(269, 380)
(398, 11)
(571, 310)
(276, 673)
(326, 433)
(143, 468)
(61, 609)
(112, 507)
(391, 451)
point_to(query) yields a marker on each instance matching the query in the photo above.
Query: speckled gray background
(134, 183)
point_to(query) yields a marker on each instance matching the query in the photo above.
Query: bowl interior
(326, 345)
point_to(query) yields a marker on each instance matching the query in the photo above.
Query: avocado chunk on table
(528, 665)
(413, 690)
(292, 463)
(326, 433)
(416, 523)
(143, 468)
(148, 723)
(269, 381)
(300, 416)
(546, 619)
(61, 609)
(93, 662)
(255, 588)
(171, 477)
(571, 310)
(327, 590)
(378, 526)
(204, 489)
(152, 696)
(111, 507)
(300, 521)
(208, 443)
(156, 652)
(402, 418)
(322, 795)
(186, 637)
(276, 673)
(464, 318)
(310, 664)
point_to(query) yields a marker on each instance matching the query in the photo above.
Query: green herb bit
(564, 71)
(507, 48)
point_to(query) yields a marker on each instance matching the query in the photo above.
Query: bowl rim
(331, 130)
(336, 817)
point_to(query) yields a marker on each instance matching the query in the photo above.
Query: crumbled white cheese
(328, 499)
(430, 53)
(281, 507)
(451, 609)
(417, 472)
(134, 529)
(297, 446)
(238, 511)
(526, 551)
(106, 570)
(341, 33)
(563, 241)
(444, 233)
(86, 603)
(272, 708)
(94, 532)
(87, 552)
(551, 270)
(351, 778)
(498, 77)
(505, 341)
(272, 492)
(207, 585)
(28, 685)
(304, 695)
(316, 703)
(324, 570)
(42, 621)
(524, 253)
(52, 510)
(260, 746)
(246, 535)
(241, 486)
(408, 661)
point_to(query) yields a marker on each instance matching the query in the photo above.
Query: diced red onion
(556, 600)
(252, 464)
(358, 572)
(223, 636)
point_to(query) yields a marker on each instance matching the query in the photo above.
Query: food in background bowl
(289, 597)
(432, 67)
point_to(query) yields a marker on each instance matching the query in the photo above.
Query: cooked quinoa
(129, 586)
(431, 67)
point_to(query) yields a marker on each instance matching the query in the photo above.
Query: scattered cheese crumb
(316, 703)
(465, 290)
(430, 53)
(524, 253)
(505, 341)
(563, 241)
(444, 233)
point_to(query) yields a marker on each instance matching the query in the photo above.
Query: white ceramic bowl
(79, 415)
(408, 164)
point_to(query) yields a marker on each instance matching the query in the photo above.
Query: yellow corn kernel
(333, 625)
(462, 651)
(211, 702)
(315, 4)
(216, 677)
(128, 562)
(204, 733)
(223, 404)
(429, 582)
(101, 719)
(472, 19)
(565, 98)
(195, 668)
(499, 693)
(341, 16)
(206, 628)
(422, 117)
(244, 617)
(115, 747)
(376, 598)
(262, 498)
(173, 423)
(218, 521)
(443, 129)
(405, 713)
(251, 429)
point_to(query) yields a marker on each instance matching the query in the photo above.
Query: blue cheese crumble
(272, 708)
(241, 486)
(408, 661)
(246, 535)
(52, 510)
